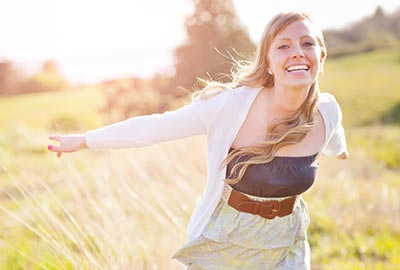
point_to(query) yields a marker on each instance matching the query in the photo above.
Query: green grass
(381, 144)
(129, 209)
(45, 111)
(366, 85)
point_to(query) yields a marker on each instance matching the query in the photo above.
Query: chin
(300, 85)
(301, 82)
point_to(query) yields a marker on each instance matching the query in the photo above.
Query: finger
(54, 148)
(59, 154)
(55, 137)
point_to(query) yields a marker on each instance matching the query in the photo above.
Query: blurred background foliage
(378, 31)
(14, 82)
(214, 35)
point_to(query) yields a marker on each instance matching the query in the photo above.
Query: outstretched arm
(190, 120)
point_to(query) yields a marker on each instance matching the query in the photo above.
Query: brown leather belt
(267, 209)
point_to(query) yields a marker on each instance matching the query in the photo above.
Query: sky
(95, 40)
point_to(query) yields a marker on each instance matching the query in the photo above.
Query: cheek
(315, 59)
(269, 59)
(275, 61)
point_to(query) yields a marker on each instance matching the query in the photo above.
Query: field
(128, 209)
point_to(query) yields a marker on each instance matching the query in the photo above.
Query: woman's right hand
(68, 143)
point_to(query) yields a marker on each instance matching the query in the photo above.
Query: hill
(366, 85)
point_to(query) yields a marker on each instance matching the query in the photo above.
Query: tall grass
(128, 211)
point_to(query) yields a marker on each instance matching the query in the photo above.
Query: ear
(323, 57)
(322, 61)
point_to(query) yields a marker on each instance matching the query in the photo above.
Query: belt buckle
(269, 209)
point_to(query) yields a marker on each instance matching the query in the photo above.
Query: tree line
(377, 31)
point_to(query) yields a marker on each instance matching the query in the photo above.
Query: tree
(213, 27)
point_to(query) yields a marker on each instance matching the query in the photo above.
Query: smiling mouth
(297, 68)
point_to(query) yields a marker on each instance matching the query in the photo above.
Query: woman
(265, 131)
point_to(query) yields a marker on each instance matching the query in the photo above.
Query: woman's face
(295, 55)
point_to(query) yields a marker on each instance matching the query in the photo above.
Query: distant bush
(134, 96)
(41, 82)
(65, 123)
(13, 82)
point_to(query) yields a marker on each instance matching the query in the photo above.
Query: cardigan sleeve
(336, 143)
(190, 120)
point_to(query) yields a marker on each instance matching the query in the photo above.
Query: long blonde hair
(285, 131)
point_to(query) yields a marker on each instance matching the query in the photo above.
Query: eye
(284, 46)
(308, 44)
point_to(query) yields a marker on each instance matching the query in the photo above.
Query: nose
(297, 52)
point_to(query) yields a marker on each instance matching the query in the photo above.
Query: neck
(287, 100)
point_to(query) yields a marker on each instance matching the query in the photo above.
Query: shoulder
(228, 103)
(242, 94)
(238, 94)
(245, 90)
(328, 100)
(330, 109)
(328, 104)
(239, 97)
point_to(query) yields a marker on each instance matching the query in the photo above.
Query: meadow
(128, 209)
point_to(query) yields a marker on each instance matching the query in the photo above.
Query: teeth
(297, 67)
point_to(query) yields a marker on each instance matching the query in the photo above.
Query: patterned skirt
(237, 240)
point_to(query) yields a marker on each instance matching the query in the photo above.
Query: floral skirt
(238, 240)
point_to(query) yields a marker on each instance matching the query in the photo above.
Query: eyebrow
(288, 39)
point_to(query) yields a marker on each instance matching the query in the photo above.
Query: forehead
(298, 29)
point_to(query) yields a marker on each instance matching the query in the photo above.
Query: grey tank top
(282, 176)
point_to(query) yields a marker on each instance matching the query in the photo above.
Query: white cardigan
(220, 118)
